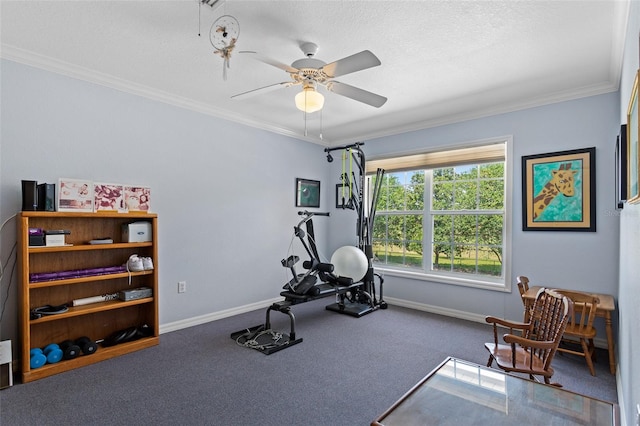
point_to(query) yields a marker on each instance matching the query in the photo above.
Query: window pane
(492, 170)
(441, 262)
(413, 256)
(379, 251)
(491, 194)
(465, 258)
(416, 177)
(396, 198)
(442, 240)
(414, 227)
(395, 227)
(442, 228)
(393, 253)
(465, 195)
(380, 227)
(414, 237)
(490, 229)
(443, 196)
(464, 229)
(443, 175)
(490, 261)
(415, 197)
(466, 172)
(383, 195)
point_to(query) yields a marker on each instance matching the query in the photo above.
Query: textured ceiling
(442, 61)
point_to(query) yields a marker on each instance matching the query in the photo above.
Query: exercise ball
(351, 262)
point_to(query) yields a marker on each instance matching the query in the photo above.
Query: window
(444, 215)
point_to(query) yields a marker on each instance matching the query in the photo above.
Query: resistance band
(346, 179)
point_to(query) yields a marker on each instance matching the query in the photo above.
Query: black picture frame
(573, 207)
(633, 145)
(307, 193)
(621, 168)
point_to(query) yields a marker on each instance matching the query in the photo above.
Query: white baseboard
(600, 342)
(454, 313)
(203, 319)
(435, 309)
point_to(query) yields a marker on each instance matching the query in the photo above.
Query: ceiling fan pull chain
(199, 8)
(225, 65)
(305, 114)
(305, 123)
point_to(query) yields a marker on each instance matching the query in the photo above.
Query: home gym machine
(363, 300)
(349, 276)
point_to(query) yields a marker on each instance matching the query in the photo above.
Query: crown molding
(70, 70)
(46, 63)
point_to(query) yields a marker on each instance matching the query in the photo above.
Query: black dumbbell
(69, 349)
(87, 345)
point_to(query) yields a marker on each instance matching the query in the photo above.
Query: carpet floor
(347, 371)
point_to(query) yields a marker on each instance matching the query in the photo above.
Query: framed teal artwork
(558, 191)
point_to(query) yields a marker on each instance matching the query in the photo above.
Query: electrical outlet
(182, 286)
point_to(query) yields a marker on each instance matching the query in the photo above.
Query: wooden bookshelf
(97, 320)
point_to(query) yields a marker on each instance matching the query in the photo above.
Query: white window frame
(503, 283)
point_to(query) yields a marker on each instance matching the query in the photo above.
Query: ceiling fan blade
(357, 62)
(264, 89)
(356, 94)
(269, 61)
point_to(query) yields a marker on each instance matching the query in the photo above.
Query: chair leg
(592, 348)
(587, 356)
(490, 361)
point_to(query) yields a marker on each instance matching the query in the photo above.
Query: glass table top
(460, 392)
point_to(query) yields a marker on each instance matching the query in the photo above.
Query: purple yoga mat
(77, 273)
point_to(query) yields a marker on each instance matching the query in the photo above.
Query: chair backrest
(584, 310)
(549, 317)
(523, 285)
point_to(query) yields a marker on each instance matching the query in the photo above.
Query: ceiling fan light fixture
(309, 100)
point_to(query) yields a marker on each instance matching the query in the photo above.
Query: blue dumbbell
(38, 359)
(53, 353)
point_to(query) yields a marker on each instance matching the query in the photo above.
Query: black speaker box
(29, 195)
(47, 197)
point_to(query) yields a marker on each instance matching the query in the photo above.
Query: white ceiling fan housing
(311, 72)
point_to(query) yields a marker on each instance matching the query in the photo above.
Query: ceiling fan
(311, 73)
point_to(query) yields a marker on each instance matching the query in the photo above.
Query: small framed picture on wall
(307, 193)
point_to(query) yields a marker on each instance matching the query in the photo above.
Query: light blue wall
(224, 192)
(629, 292)
(580, 260)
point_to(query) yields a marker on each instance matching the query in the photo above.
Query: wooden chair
(580, 330)
(532, 352)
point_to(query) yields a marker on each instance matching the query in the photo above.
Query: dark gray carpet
(347, 371)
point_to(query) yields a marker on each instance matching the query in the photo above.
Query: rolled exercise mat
(95, 299)
(77, 273)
